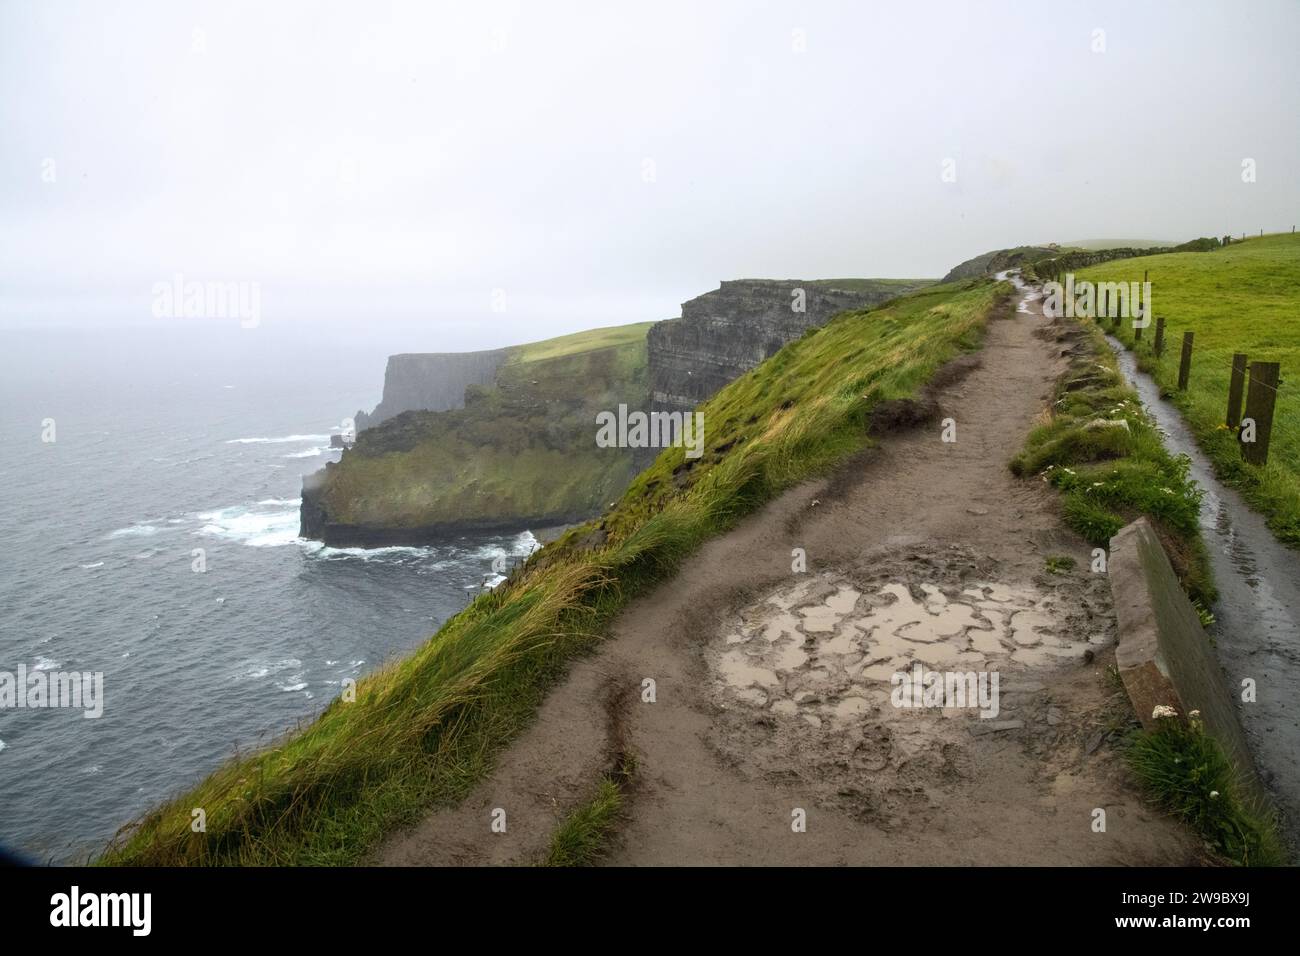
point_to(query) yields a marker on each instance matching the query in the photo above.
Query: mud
(770, 684)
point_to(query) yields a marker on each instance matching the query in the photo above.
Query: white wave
(292, 502)
(365, 554)
(91, 567)
(521, 546)
(135, 530)
(2, 745)
(277, 441)
(45, 664)
(247, 525)
(309, 453)
(260, 669)
(300, 685)
(525, 543)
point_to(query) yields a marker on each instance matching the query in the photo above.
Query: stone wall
(1164, 655)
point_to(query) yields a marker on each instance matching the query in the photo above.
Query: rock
(1099, 423)
(431, 382)
(980, 727)
(724, 333)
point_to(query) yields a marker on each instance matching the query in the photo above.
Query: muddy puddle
(804, 675)
(825, 651)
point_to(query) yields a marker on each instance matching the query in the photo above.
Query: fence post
(1160, 336)
(1259, 408)
(1236, 385)
(1185, 365)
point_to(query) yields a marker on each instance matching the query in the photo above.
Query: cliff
(724, 333)
(433, 382)
(506, 439)
(518, 451)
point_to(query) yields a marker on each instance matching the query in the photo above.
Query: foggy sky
(376, 162)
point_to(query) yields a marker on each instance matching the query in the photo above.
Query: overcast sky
(600, 163)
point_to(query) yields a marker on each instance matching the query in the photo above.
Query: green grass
(1185, 772)
(522, 450)
(1095, 244)
(1059, 564)
(1244, 297)
(581, 840)
(584, 836)
(422, 730)
(871, 285)
(608, 337)
(1104, 455)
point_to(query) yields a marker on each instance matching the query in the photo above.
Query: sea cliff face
(724, 333)
(431, 382)
(517, 451)
(506, 439)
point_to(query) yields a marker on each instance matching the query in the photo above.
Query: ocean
(168, 441)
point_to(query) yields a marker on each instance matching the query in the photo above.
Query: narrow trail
(772, 690)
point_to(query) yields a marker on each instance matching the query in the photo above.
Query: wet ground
(1257, 629)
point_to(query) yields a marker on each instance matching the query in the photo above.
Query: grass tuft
(1186, 773)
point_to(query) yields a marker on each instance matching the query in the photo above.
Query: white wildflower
(1163, 710)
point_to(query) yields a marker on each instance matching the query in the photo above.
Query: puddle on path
(824, 651)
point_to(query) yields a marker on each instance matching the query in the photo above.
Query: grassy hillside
(613, 336)
(991, 263)
(524, 449)
(422, 731)
(1091, 244)
(1244, 297)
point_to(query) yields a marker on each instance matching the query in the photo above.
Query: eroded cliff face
(431, 382)
(516, 452)
(505, 439)
(724, 333)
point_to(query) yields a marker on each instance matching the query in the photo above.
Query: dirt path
(772, 688)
